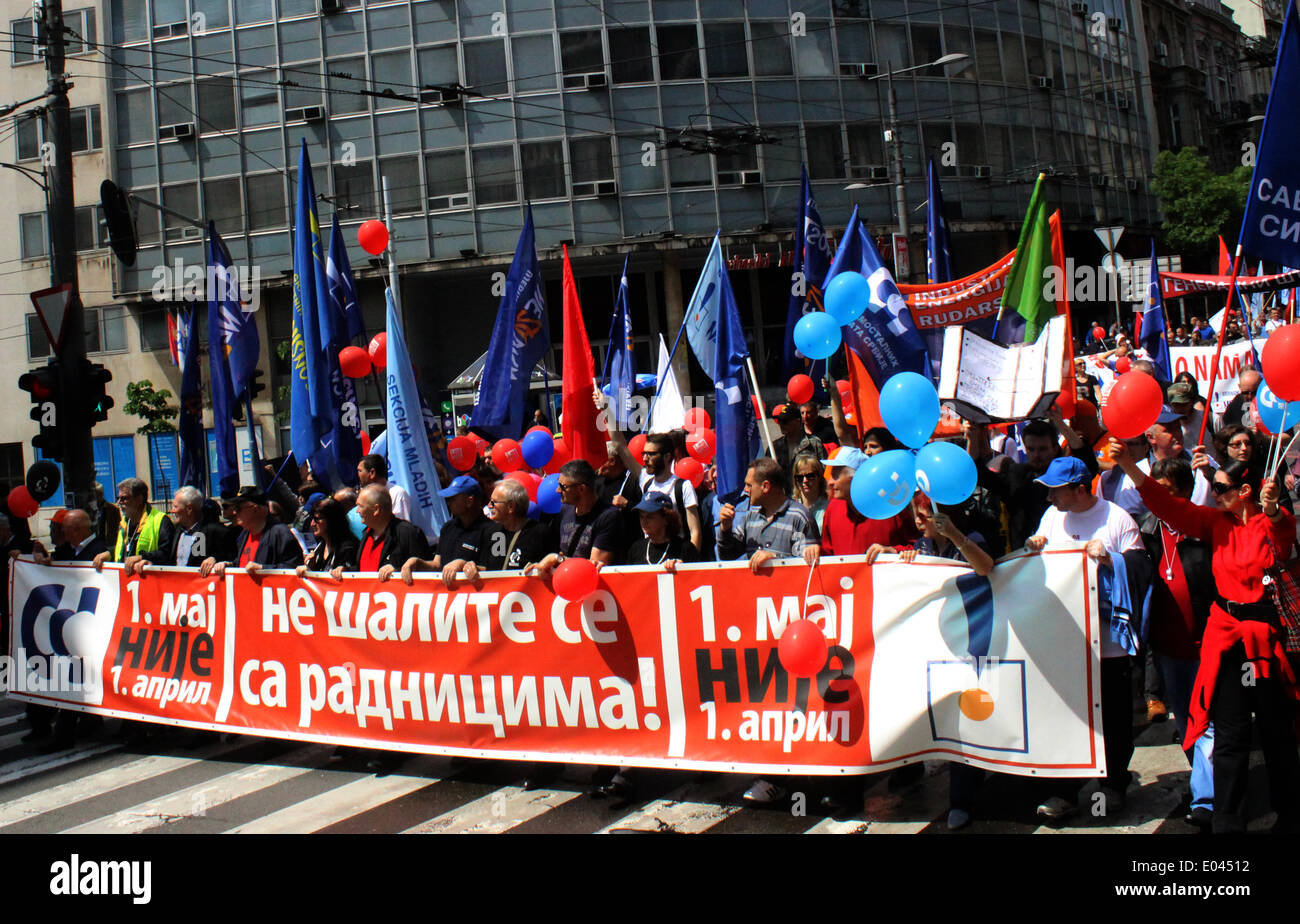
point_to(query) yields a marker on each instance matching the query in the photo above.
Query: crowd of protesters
(1155, 511)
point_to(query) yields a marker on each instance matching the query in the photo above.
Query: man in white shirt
(655, 475)
(373, 469)
(1165, 441)
(1077, 515)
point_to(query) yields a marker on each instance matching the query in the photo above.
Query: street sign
(1109, 236)
(902, 259)
(52, 309)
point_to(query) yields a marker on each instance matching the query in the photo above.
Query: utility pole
(78, 464)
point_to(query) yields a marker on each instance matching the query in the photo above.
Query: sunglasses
(1220, 489)
(807, 476)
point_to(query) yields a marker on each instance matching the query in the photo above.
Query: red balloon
(690, 470)
(635, 445)
(507, 456)
(461, 453)
(480, 444)
(354, 362)
(561, 455)
(776, 411)
(1123, 365)
(1133, 405)
(575, 579)
(373, 236)
(528, 480)
(1099, 332)
(702, 444)
(1281, 361)
(697, 417)
(800, 388)
(365, 443)
(802, 648)
(846, 395)
(539, 427)
(379, 350)
(21, 502)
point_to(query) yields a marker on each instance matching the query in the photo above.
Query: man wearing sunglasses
(589, 528)
(654, 475)
(1247, 384)
(467, 541)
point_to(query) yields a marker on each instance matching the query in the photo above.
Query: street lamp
(900, 190)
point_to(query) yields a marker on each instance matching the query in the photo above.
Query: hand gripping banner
(653, 669)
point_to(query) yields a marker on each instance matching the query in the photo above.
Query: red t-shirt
(371, 553)
(847, 532)
(250, 549)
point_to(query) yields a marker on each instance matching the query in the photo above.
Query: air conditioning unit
(171, 30)
(1043, 83)
(442, 203)
(1078, 6)
(1100, 180)
(983, 171)
(189, 232)
(305, 114)
(1113, 23)
(1133, 185)
(179, 130)
(1162, 50)
(859, 69)
(602, 188)
(444, 96)
(869, 171)
(595, 80)
(1124, 101)
(606, 188)
(331, 6)
(751, 178)
(729, 177)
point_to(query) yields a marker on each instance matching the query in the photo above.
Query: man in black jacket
(191, 541)
(263, 542)
(389, 541)
(469, 541)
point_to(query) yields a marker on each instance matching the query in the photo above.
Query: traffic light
(44, 386)
(95, 379)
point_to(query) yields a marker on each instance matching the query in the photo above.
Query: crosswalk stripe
(831, 826)
(39, 764)
(496, 812)
(333, 806)
(688, 809)
(96, 784)
(7, 720)
(202, 796)
(10, 739)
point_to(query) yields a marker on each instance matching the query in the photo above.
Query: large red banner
(653, 669)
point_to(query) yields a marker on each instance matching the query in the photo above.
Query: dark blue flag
(342, 447)
(885, 337)
(938, 257)
(1154, 334)
(223, 394)
(622, 373)
(1270, 228)
(311, 417)
(194, 448)
(733, 412)
(342, 286)
(520, 338)
(238, 326)
(812, 260)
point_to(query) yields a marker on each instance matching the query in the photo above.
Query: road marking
(30, 766)
(688, 809)
(327, 808)
(496, 812)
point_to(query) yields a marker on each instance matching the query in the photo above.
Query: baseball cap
(1168, 415)
(655, 502)
(1064, 470)
(845, 457)
(1179, 393)
(461, 484)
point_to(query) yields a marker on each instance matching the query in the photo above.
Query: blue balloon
(847, 297)
(354, 523)
(534, 512)
(816, 335)
(548, 494)
(909, 406)
(946, 472)
(883, 485)
(1273, 409)
(537, 448)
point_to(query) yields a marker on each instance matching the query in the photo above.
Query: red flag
(173, 339)
(1225, 259)
(1065, 401)
(866, 397)
(578, 422)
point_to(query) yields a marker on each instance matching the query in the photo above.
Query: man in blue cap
(1077, 515)
(469, 541)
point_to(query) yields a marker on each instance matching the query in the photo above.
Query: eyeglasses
(807, 476)
(1220, 489)
(567, 487)
(493, 502)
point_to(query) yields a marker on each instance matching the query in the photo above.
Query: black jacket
(276, 549)
(346, 556)
(402, 540)
(89, 551)
(217, 543)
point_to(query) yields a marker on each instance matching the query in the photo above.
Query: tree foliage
(1198, 204)
(150, 405)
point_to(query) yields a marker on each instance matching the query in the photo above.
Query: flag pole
(1223, 329)
(762, 410)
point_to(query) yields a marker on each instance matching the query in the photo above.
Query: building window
(259, 99)
(92, 231)
(771, 41)
(438, 67)
(347, 77)
(216, 96)
(264, 193)
(628, 55)
(543, 169)
(24, 40)
(687, 168)
(581, 53)
(448, 180)
(223, 204)
(494, 175)
(725, 51)
(80, 39)
(534, 59)
(734, 166)
(135, 117)
(355, 187)
(182, 198)
(679, 54)
(485, 66)
(11, 464)
(27, 130)
(105, 332)
(146, 217)
(154, 333)
(175, 106)
(405, 190)
(825, 152)
(590, 161)
(392, 76)
(34, 240)
(86, 132)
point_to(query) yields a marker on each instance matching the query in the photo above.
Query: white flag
(668, 412)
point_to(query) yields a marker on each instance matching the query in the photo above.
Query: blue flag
(1270, 229)
(885, 337)
(238, 326)
(702, 312)
(812, 259)
(520, 338)
(733, 412)
(342, 287)
(622, 373)
(938, 257)
(194, 448)
(410, 462)
(344, 449)
(311, 418)
(223, 394)
(1155, 339)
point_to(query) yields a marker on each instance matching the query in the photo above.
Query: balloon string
(806, 587)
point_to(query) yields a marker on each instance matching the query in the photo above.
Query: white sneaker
(1055, 809)
(761, 792)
